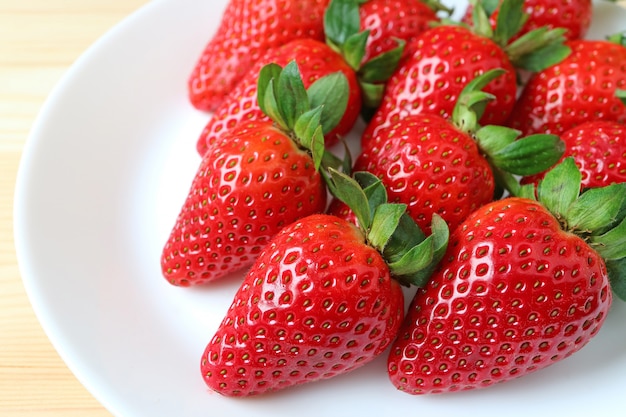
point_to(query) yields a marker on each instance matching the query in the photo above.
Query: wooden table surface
(39, 40)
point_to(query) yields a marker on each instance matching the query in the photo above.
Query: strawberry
(390, 20)
(345, 50)
(580, 88)
(447, 57)
(320, 299)
(261, 176)
(448, 167)
(247, 30)
(573, 15)
(599, 149)
(315, 59)
(517, 290)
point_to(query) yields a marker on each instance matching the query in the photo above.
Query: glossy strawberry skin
(252, 184)
(318, 302)
(315, 60)
(580, 88)
(513, 295)
(445, 60)
(246, 31)
(389, 19)
(573, 15)
(599, 150)
(428, 164)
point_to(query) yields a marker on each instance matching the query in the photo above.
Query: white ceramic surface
(103, 175)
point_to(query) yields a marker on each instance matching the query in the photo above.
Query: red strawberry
(436, 166)
(447, 57)
(430, 165)
(580, 88)
(515, 291)
(246, 31)
(390, 20)
(318, 302)
(573, 15)
(260, 177)
(315, 59)
(599, 149)
(345, 51)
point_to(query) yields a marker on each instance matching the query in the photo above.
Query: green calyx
(410, 255)
(506, 152)
(472, 101)
(533, 51)
(621, 95)
(509, 155)
(342, 24)
(305, 115)
(617, 38)
(598, 215)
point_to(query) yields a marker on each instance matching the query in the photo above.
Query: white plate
(103, 176)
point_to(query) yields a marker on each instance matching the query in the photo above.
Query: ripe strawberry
(573, 15)
(516, 291)
(345, 50)
(261, 176)
(246, 31)
(315, 59)
(438, 166)
(390, 20)
(580, 88)
(599, 149)
(318, 302)
(447, 57)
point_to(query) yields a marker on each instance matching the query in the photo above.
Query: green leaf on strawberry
(596, 209)
(384, 222)
(292, 99)
(532, 51)
(621, 94)
(342, 24)
(305, 114)
(353, 49)
(618, 38)
(472, 101)
(417, 264)
(341, 21)
(592, 213)
(506, 152)
(539, 49)
(381, 67)
(509, 22)
(529, 154)
(617, 276)
(410, 255)
(598, 215)
(560, 188)
(613, 242)
(327, 92)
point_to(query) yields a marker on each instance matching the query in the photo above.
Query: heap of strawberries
(508, 214)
